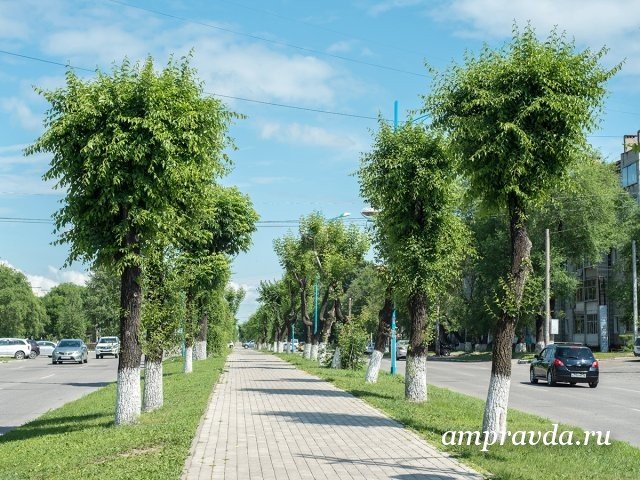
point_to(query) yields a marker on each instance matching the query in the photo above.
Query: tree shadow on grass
(365, 393)
(54, 426)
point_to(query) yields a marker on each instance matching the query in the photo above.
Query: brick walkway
(268, 420)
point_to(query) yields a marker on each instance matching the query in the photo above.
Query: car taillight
(557, 362)
(595, 364)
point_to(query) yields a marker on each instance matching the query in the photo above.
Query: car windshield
(108, 340)
(70, 343)
(581, 353)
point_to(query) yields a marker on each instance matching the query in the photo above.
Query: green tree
(65, 308)
(136, 151)
(21, 312)
(409, 178)
(517, 118)
(102, 304)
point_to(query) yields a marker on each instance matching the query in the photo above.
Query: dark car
(35, 348)
(569, 363)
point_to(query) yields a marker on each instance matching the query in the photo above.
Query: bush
(352, 339)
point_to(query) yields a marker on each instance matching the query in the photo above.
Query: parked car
(565, 362)
(636, 348)
(107, 346)
(35, 348)
(249, 344)
(70, 350)
(46, 347)
(401, 348)
(14, 347)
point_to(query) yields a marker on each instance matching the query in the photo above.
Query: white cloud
(42, 284)
(340, 47)
(387, 5)
(22, 112)
(591, 22)
(296, 133)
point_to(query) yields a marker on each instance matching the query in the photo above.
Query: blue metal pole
(395, 114)
(293, 335)
(393, 342)
(315, 307)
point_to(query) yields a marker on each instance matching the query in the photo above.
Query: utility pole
(437, 342)
(547, 287)
(635, 290)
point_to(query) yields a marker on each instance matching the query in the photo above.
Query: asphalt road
(613, 406)
(29, 388)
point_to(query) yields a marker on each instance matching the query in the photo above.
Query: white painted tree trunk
(314, 351)
(495, 412)
(415, 383)
(128, 401)
(274, 347)
(153, 397)
(280, 347)
(374, 367)
(188, 360)
(200, 350)
(307, 351)
(337, 361)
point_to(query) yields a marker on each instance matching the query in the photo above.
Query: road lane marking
(635, 409)
(42, 378)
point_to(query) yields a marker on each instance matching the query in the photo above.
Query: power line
(320, 27)
(243, 99)
(267, 40)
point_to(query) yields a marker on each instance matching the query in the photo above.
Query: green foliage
(409, 178)
(65, 308)
(352, 339)
(134, 151)
(21, 312)
(163, 307)
(102, 302)
(517, 116)
(222, 308)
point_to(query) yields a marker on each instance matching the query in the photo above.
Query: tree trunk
(188, 358)
(337, 359)
(495, 413)
(307, 346)
(382, 337)
(415, 385)
(201, 340)
(539, 333)
(128, 402)
(314, 350)
(153, 394)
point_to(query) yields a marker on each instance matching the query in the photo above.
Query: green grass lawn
(446, 411)
(79, 440)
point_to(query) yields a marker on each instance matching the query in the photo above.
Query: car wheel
(33, 355)
(550, 380)
(86, 360)
(19, 355)
(532, 376)
(572, 383)
(593, 384)
(116, 355)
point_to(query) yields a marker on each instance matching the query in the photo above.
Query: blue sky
(351, 57)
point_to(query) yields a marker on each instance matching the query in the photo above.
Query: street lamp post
(393, 343)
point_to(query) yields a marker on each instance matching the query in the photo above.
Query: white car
(14, 347)
(636, 348)
(108, 346)
(46, 347)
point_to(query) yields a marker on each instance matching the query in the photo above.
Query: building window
(587, 291)
(579, 324)
(630, 174)
(592, 324)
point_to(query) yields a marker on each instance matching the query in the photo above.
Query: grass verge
(79, 440)
(446, 411)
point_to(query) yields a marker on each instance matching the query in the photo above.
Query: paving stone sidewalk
(268, 420)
